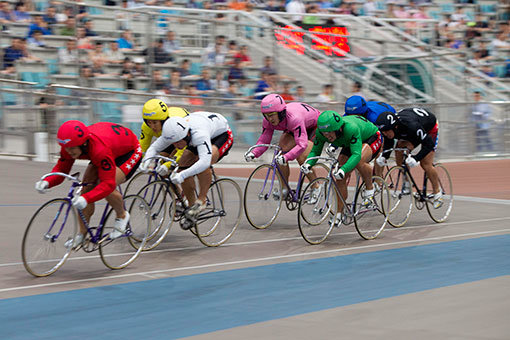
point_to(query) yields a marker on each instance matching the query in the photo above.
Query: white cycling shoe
(369, 198)
(195, 209)
(119, 227)
(314, 197)
(74, 242)
(406, 188)
(438, 200)
(336, 220)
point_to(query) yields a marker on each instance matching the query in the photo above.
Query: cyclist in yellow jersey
(154, 113)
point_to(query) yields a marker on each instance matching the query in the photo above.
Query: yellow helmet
(155, 109)
(175, 111)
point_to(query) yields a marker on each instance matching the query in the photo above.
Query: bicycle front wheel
(221, 216)
(161, 201)
(138, 181)
(372, 212)
(263, 196)
(401, 192)
(316, 207)
(440, 210)
(122, 251)
(43, 249)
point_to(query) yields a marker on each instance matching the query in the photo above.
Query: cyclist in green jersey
(360, 141)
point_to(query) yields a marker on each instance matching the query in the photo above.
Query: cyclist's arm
(204, 149)
(106, 170)
(388, 144)
(265, 138)
(318, 144)
(146, 135)
(301, 139)
(355, 145)
(64, 164)
(159, 145)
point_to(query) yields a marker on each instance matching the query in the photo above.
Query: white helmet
(175, 129)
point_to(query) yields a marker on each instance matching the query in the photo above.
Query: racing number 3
(116, 128)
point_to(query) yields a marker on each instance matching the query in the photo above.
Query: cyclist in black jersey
(412, 127)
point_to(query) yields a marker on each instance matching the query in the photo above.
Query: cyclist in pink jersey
(298, 122)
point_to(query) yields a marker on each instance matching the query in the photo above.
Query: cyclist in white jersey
(208, 138)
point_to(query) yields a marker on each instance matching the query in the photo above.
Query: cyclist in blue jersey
(357, 105)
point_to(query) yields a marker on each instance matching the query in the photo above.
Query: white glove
(42, 186)
(79, 202)
(249, 156)
(306, 168)
(330, 150)
(381, 161)
(411, 161)
(176, 178)
(339, 174)
(162, 170)
(144, 166)
(281, 160)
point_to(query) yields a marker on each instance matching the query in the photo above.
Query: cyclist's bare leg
(90, 176)
(427, 164)
(188, 186)
(205, 177)
(364, 167)
(115, 198)
(399, 155)
(342, 183)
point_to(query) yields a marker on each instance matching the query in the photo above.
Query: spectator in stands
(156, 54)
(69, 28)
(175, 85)
(296, 6)
(123, 18)
(80, 11)
(47, 106)
(20, 13)
(232, 51)
(89, 28)
(98, 52)
(481, 119)
(184, 68)
(356, 89)
(236, 71)
(499, 43)
(158, 83)
(126, 42)
(13, 53)
(369, 8)
(219, 39)
(459, 16)
(453, 42)
(244, 89)
(312, 19)
(237, 5)
(285, 93)
(262, 87)
(243, 55)
(326, 96)
(68, 54)
(192, 91)
(447, 25)
(219, 84)
(86, 78)
(114, 55)
(481, 24)
(170, 44)
(476, 60)
(83, 42)
(38, 24)
(6, 14)
(36, 39)
(204, 84)
(50, 16)
(488, 71)
(127, 74)
(325, 5)
(268, 65)
(64, 15)
(484, 51)
(300, 94)
(214, 58)
(98, 67)
(400, 11)
(139, 70)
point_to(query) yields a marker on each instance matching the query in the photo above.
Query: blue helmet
(355, 105)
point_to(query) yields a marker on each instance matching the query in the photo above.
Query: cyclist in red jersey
(114, 153)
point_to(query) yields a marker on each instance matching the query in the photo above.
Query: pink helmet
(272, 103)
(72, 133)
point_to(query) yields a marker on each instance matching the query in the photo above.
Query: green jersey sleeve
(318, 144)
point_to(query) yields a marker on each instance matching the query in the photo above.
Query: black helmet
(386, 121)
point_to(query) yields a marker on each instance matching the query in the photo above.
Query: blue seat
(195, 69)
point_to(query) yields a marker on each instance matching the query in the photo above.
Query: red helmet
(72, 133)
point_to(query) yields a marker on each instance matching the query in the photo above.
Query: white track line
(261, 259)
(233, 244)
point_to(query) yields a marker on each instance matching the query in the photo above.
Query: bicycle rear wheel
(401, 192)
(314, 212)
(219, 220)
(161, 201)
(138, 181)
(263, 196)
(43, 250)
(122, 251)
(371, 215)
(440, 211)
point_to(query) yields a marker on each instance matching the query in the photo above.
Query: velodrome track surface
(423, 281)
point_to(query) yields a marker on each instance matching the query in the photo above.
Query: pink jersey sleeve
(265, 138)
(300, 117)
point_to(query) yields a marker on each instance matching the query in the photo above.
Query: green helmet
(329, 121)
